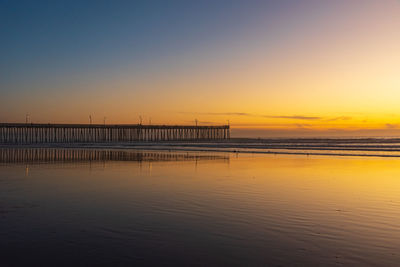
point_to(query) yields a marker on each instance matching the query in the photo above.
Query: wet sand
(371, 147)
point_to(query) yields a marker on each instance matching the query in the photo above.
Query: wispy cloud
(245, 114)
(341, 118)
(221, 113)
(391, 126)
(294, 117)
(279, 125)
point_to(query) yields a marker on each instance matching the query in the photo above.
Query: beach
(130, 206)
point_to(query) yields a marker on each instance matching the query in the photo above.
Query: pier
(34, 133)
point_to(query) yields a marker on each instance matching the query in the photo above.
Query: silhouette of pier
(33, 133)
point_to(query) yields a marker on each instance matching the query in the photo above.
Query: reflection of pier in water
(53, 155)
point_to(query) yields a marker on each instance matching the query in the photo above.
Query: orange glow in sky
(325, 68)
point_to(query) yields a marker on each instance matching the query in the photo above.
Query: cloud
(279, 125)
(244, 114)
(341, 118)
(294, 117)
(302, 125)
(391, 126)
(291, 117)
(221, 113)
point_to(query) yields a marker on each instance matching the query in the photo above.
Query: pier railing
(32, 133)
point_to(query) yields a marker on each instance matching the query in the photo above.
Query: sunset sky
(272, 68)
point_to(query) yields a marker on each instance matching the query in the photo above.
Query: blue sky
(172, 61)
(42, 38)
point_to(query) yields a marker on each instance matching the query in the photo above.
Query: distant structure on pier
(33, 133)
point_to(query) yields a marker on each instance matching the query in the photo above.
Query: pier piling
(34, 133)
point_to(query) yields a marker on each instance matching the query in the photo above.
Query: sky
(270, 68)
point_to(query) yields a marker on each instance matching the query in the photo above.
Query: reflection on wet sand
(257, 209)
(53, 155)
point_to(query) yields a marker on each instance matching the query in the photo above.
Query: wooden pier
(34, 133)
